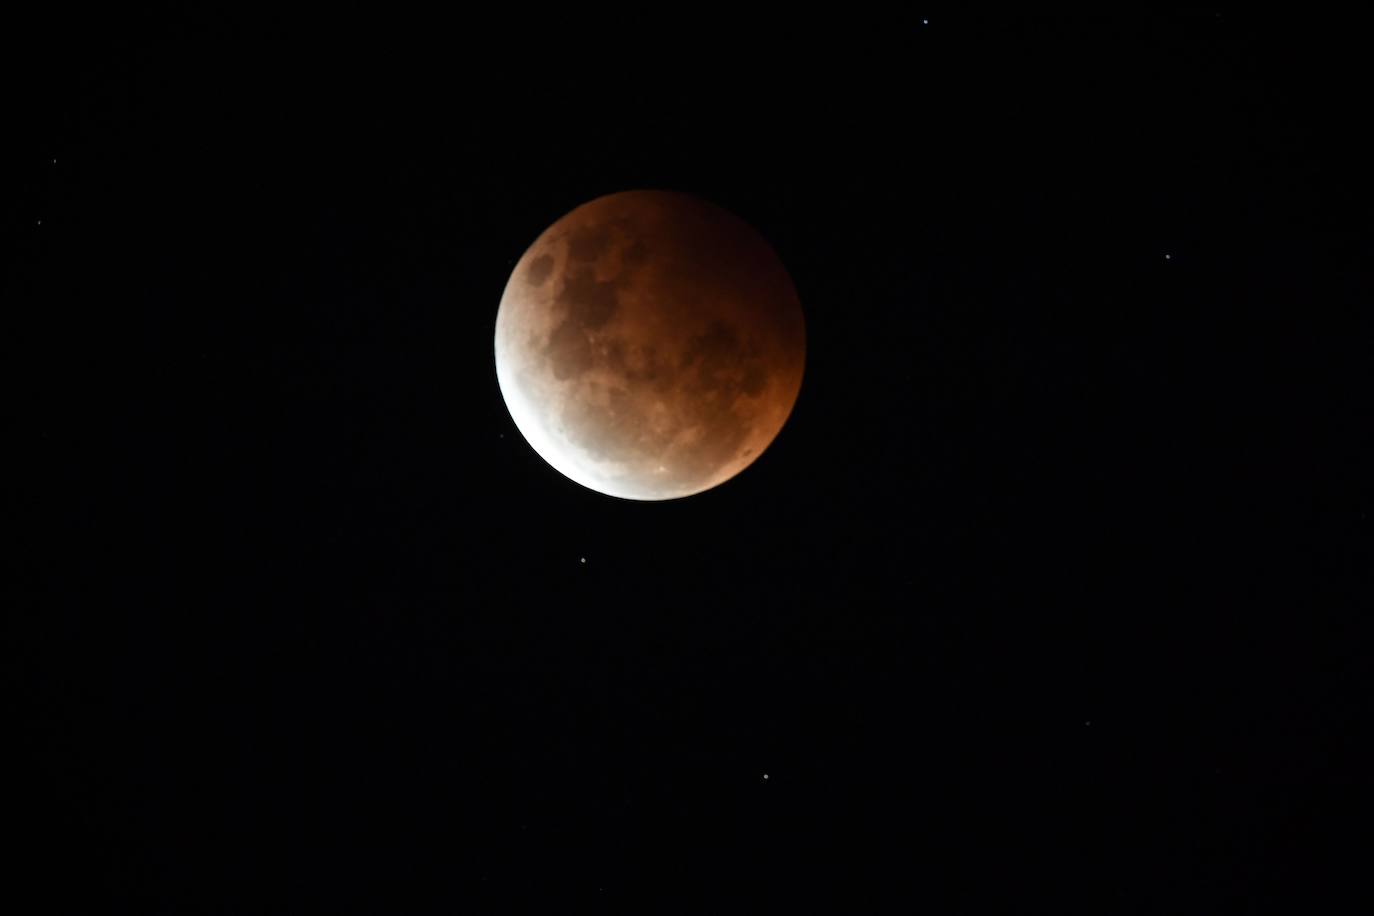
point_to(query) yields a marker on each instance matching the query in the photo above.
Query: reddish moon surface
(650, 345)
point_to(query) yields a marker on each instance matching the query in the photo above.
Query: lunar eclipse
(650, 345)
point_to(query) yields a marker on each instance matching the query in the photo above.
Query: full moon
(649, 345)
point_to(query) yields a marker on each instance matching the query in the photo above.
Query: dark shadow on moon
(539, 270)
(569, 351)
(591, 304)
(639, 364)
(589, 243)
(724, 364)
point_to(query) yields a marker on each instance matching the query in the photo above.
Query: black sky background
(1051, 593)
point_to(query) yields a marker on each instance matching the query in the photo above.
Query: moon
(650, 345)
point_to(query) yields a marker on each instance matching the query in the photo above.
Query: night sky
(1052, 593)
